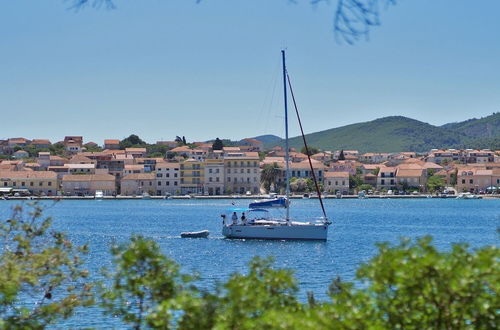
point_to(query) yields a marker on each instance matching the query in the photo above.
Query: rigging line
(307, 148)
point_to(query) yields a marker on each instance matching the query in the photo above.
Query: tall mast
(287, 165)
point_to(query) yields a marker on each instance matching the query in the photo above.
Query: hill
(388, 134)
(486, 127)
(269, 140)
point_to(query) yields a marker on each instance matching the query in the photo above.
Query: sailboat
(263, 227)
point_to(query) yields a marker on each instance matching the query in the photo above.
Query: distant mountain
(269, 140)
(486, 127)
(397, 133)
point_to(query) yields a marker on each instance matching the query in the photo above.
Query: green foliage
(355, 181)
(42, 265)
(416, 286)
(217, 145)
(365, 187)
(133, 141)
(435, 183)
(254, 300)
(269, 175)
(92, 148)
(312, 150)
(144, 284)
(301, 184)
(57, 149)
(376, 171)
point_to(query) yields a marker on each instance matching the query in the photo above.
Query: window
(14, 183)
(175, 175)
(216, 170)
(50, 183)
(248, 171)
(168, 183)
(159, 175)
(40, 183)
(5, 184)
(248, 180)
(175, 183)
(209, 170)
(23, 184)
(210, 179)
(336, 183)
(228, 171)
(159, 183)
(463, 181)
(242, 171)
(228, 179)
(471, 181)
(217, 179)
(382, 182)
(31, 183)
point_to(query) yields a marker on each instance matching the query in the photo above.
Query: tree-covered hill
(397, 133)
(486, 127)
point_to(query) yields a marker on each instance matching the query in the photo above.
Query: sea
(358, 224)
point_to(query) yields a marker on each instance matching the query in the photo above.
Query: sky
(161, 68)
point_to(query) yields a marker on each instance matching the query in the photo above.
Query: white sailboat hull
(278, 231)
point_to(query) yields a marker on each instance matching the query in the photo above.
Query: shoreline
(424, 196)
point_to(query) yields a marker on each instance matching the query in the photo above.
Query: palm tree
(269, 174)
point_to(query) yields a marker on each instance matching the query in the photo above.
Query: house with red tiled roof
(88, 184)
(21, 154)
(336, 182)
(37, 182)
(19, 142)
(136, 152)
(411, 178)
(254, 144)
(73, 144)
(41, 143)
(476, 179)
(112, 144)
(138, 184)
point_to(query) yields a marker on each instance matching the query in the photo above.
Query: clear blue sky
(165, 68)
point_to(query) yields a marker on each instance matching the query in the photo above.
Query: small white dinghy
(195, 234)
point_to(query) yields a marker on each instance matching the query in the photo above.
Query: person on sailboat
(234, 218)
(243, 218)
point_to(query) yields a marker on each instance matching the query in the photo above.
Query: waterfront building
(39, 182)
(336, 182)
(386, 178)
(168, 177)
(242, 171)
(88, 184)
(476, 179)
(214, 175)
(192, 176)
(138, 184)
(411, 178)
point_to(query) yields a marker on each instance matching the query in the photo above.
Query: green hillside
(486, 127)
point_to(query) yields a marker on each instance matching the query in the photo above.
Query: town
(177, 168)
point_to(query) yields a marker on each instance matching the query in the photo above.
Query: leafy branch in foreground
(42, 278)
(143, 279)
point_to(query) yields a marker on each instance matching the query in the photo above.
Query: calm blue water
(358, 225)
